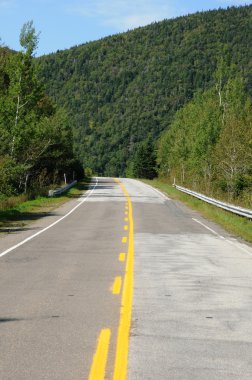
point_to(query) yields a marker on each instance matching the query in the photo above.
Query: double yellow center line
(122, 346)
(121, 359)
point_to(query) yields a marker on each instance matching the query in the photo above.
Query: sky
(66, 23)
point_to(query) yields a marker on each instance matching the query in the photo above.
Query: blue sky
(65, 23)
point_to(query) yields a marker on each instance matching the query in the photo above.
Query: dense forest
(125, 89)
(36, 143)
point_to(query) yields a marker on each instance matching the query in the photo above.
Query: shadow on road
(13, 221)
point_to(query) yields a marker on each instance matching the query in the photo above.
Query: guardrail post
(61, 190)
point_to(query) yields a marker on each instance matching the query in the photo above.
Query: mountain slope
(125, 87)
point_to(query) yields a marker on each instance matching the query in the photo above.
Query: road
(66, 293)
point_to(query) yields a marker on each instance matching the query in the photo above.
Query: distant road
(61, 292)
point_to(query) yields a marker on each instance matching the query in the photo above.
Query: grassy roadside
(17, 217)
(234, 224)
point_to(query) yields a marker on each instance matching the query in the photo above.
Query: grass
(232, 223)
(17, 212)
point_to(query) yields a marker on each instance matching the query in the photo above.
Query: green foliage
(36, 145)
(143, 161)
(9, 176)
(186, 149)
(121, 88)
(233, 151)
(28, 38)
(88, 172)
(208, 146)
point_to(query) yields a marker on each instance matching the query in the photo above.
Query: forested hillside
(127, 88)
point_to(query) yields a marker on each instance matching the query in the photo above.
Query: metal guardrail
(226, 206)
(61, 190)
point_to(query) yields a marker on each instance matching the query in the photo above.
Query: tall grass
(12, 202)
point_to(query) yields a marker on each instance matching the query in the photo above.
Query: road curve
(61, 292)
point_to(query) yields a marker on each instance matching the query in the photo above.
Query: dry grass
(12, 202)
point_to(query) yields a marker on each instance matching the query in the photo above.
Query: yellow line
(126, 219)
(116, 288)
(122, 256)
(122, 348)
(98, 368)
(124, 239)
(125, 228)
(126, 213)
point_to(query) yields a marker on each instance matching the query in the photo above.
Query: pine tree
(144, 160)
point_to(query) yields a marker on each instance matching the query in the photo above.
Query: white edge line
(51, 225)
(208, 228)
(222, 237)
(154, 189)
(158, 191)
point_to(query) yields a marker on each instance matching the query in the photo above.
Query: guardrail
(226, 206)
(61, 190)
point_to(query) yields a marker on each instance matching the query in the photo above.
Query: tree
(209, 143)
(144, 160)
(24, 87)
(233, 151)
(185, 150)
(36, 138)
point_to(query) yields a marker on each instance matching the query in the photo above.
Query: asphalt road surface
(66, 286)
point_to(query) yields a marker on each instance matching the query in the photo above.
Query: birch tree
(35, 138)
(24, 90)
(233, 152)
